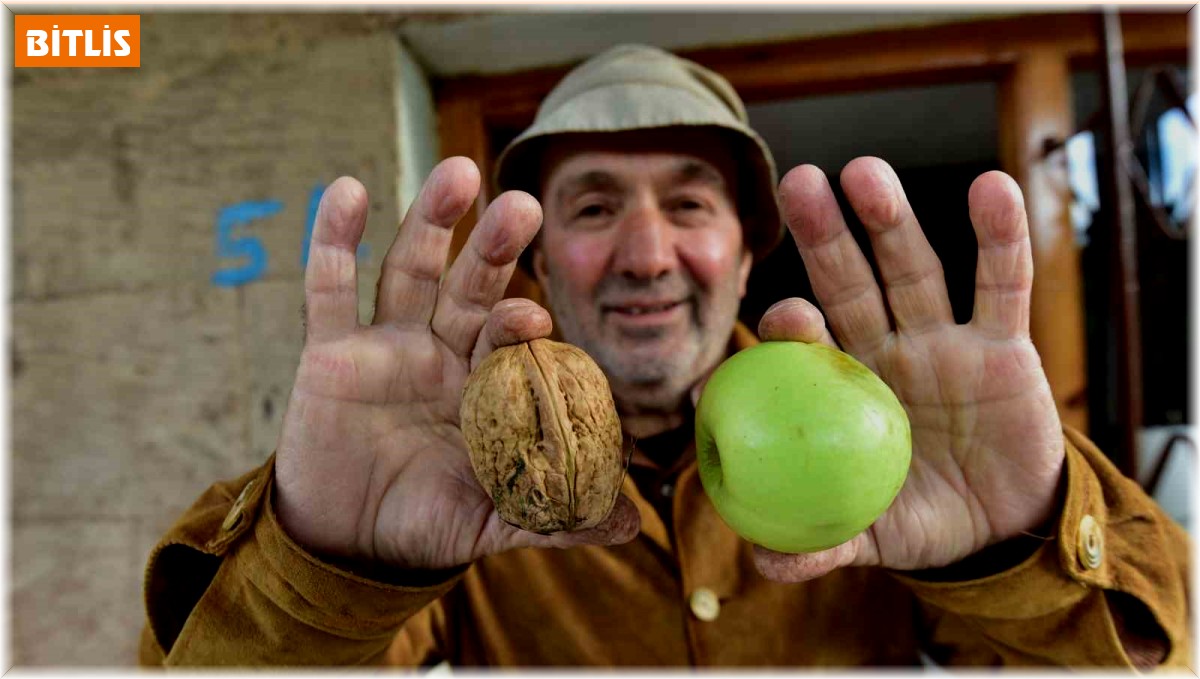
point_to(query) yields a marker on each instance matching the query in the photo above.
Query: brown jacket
(227, 586)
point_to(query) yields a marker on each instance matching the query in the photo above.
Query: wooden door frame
(1027, 56)
(470, 106)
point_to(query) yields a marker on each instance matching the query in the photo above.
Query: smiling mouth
(643, 309)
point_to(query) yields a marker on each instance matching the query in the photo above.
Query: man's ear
(744, 271)
(539, 265)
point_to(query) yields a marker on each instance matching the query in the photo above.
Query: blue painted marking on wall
(230, 246)
(251, 248)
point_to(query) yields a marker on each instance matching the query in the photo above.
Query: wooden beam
(1036, 109)
(904, 57)
(943, 53)
(462, 132)
(1116, 194)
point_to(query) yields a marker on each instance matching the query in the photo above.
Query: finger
(330, 278)
(413, 266)
(479, 275)
(795, 320)
(511, 321)
(781, 567)
(840, 275)
(1004, 272)
(621, 526)
(913, 279)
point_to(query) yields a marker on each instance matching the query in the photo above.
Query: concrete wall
(138, 381)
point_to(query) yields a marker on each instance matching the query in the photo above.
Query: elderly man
(366, 538)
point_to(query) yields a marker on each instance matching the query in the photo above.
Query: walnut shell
(544, 436)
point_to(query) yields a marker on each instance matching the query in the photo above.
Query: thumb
(795, 319)
(780, 567)
(620, 526)
(511, 321)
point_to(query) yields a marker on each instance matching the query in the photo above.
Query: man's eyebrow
(690, 171)
(592, 180)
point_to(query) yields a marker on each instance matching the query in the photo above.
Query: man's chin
(658, 357)
(643, 335)
(648, 368)
(661, 348)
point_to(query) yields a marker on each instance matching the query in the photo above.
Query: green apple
(800, 446)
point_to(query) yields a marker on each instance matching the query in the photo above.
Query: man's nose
(646, 245)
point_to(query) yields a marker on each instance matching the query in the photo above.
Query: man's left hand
(987, 442)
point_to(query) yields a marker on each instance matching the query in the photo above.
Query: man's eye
(688, 205)
(592, 210)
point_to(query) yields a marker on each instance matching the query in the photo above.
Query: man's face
(642, 259)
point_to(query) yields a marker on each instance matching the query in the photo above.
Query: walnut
(544, 437)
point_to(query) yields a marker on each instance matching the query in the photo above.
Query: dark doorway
(938, 196)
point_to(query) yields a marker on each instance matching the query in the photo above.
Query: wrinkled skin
(987, 441)
(371, 465)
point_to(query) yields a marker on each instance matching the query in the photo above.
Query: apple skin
(800, 446)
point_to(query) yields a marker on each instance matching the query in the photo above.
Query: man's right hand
(371, 466)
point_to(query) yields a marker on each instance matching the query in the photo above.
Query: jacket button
(704, 604)
(234, 517)
(1090, 542)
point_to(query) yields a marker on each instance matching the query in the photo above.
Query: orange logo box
(77, 40)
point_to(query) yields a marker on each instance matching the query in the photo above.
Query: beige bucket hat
(635, 87)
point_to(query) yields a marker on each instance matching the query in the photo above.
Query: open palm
(987, 442)
(371, 465)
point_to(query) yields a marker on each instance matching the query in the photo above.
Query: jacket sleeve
(1108, 588)
(227, 586)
